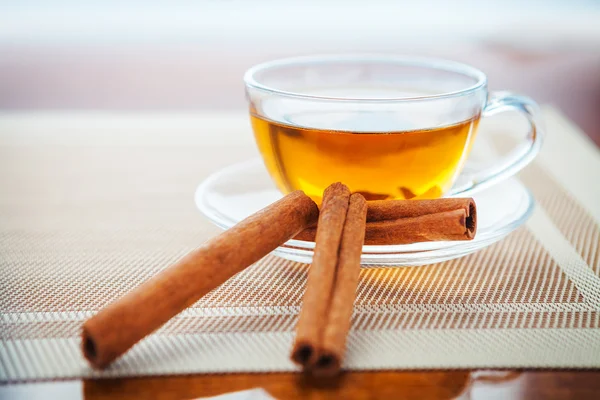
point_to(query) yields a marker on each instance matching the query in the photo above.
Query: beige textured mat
(91, 205)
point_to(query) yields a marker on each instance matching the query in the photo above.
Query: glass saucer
(237, 191)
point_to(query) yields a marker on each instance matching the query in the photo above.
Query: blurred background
(191, 55)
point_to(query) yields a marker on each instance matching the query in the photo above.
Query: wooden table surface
(363, 385)
(580, 100)
(423, 385)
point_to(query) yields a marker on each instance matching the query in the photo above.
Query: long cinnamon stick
(392, 222)
(333, 346)
(309, 330)
(115, 329)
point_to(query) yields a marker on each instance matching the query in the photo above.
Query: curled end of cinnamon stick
(327, 365)
(471, 220)
(303, 353)
(90, 349)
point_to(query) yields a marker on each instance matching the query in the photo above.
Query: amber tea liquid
(381, 165)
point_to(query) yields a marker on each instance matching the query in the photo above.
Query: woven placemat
(91, 205)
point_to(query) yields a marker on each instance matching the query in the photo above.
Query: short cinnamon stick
(448, 225)
(333, 346)
(115, 329)
(309, 330)
(385, 210)
(392, 222)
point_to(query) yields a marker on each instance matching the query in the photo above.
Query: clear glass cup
(386, 126)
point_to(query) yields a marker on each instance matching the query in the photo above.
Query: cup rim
(426, 62)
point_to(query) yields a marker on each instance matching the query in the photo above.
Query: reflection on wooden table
(459, 384)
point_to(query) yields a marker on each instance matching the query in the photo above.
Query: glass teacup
(386, 126)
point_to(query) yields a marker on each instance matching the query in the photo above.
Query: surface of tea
(380, 165)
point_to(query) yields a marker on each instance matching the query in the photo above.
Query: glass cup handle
(518, 157)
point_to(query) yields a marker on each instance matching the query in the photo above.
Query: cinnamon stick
(385, 210)
(448, 225)
(115, 329)
(392, 222)
(309, 330)
(333, 346)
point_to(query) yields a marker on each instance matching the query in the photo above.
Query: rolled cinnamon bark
(392, 222)
(315, 305)
(333, 347)
(385, 210)
(448, 225)
(116, 328)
